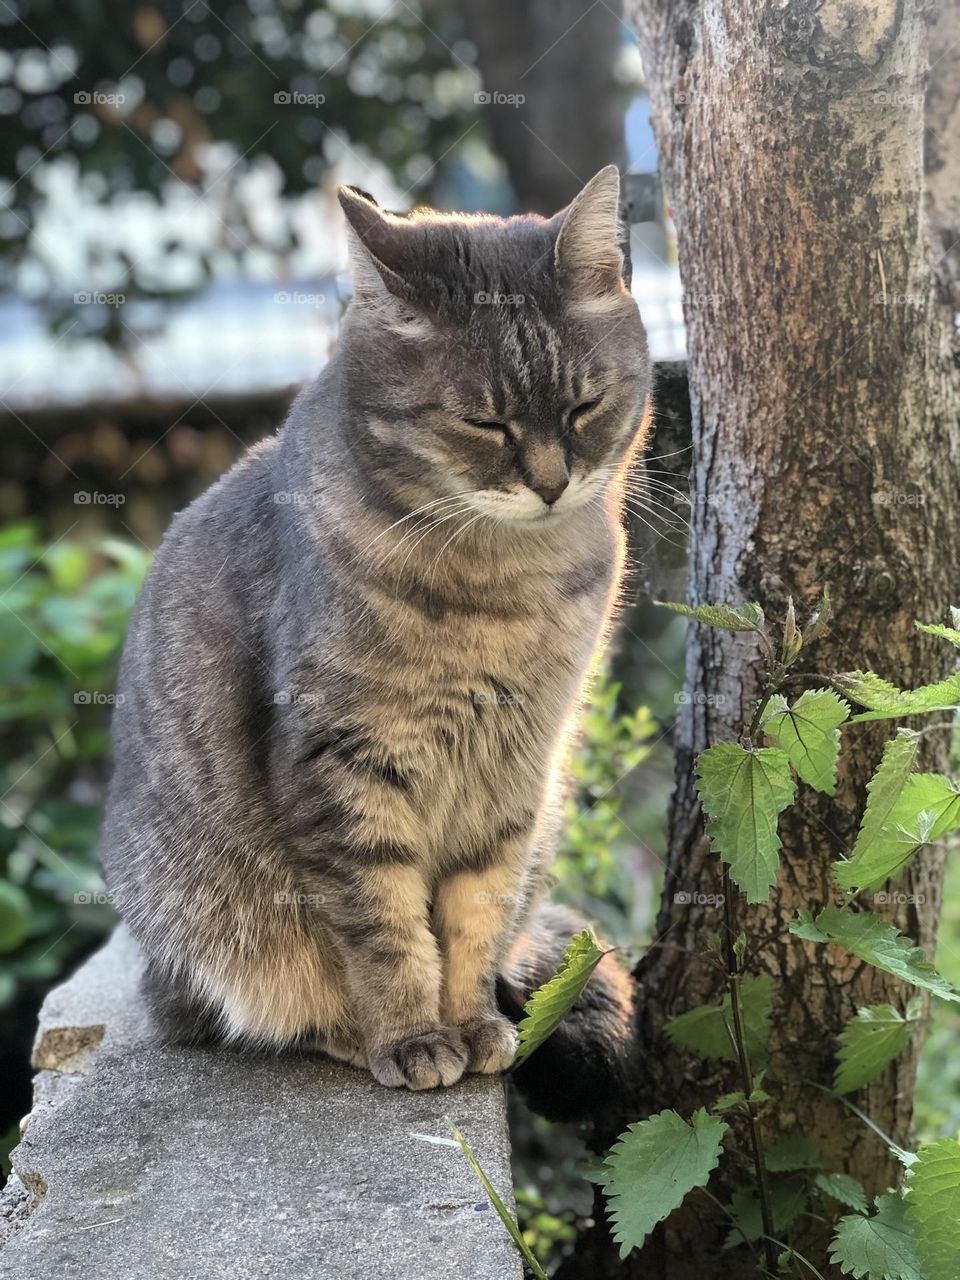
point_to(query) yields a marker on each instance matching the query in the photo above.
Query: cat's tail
(580, 1071)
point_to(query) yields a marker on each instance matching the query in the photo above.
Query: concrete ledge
(169, 1163)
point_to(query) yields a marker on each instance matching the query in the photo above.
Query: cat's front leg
(393, 975)
(474, 913)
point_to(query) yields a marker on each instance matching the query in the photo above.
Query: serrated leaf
(503, 1213)
(876, 942)
(933, 1208)
(788, 1199)
(704, 1029)
(792, 1153)
(550, 1004)
(885, 701)
(809, 732)
(880, 1247)
(653, 1166)
(879, 847)
(744, 617)
(870, 1041)
(929, 793)
(843, 1188)
(743, 794)
(938, 629)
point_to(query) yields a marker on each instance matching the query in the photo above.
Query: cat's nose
(550, 491)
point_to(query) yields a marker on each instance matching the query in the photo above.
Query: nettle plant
(744, 786)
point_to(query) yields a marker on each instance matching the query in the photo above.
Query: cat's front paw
(491, 1042)
(424, 1061)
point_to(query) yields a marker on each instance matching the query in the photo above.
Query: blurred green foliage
(63, 612)
(614, 743)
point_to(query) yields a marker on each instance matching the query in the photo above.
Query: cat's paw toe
(491, 1042)
(424, 1061)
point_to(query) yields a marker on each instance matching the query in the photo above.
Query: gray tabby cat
(351, 677)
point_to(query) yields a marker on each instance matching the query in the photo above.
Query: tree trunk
(825, 453)
(559, 55)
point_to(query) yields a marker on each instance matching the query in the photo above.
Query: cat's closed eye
(580, 411)
(491, 427)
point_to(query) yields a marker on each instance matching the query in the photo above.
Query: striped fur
(352, 676)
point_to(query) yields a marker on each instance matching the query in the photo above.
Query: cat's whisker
(436, 502)
(658, 532)
(452, 515)
(654, 508)
(459, 533)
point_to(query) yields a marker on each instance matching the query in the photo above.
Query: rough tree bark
(825, 452)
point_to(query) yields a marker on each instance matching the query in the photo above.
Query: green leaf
(19, 646)
(704, 1029)
(933, 1208)
(876, 942)
(871, 1040)
(744, 617)
(843, 1188)
(794, 1152)
(885, 701)
(945, 633)
(504, 1214)
(652, 1166)
(880, 848)
(819, 623)
(788, 1199)
(743, 793)
(550, 1004)
(14, 916)
(809, 732)
(878, 1248)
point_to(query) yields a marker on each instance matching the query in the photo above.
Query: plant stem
(746, 1075)
(772, 686)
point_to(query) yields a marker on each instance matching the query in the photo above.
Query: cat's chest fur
(477, 706)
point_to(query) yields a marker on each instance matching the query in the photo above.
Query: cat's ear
(378, 244)
(587, 251)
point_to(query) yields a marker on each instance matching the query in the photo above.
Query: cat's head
(499, 359)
